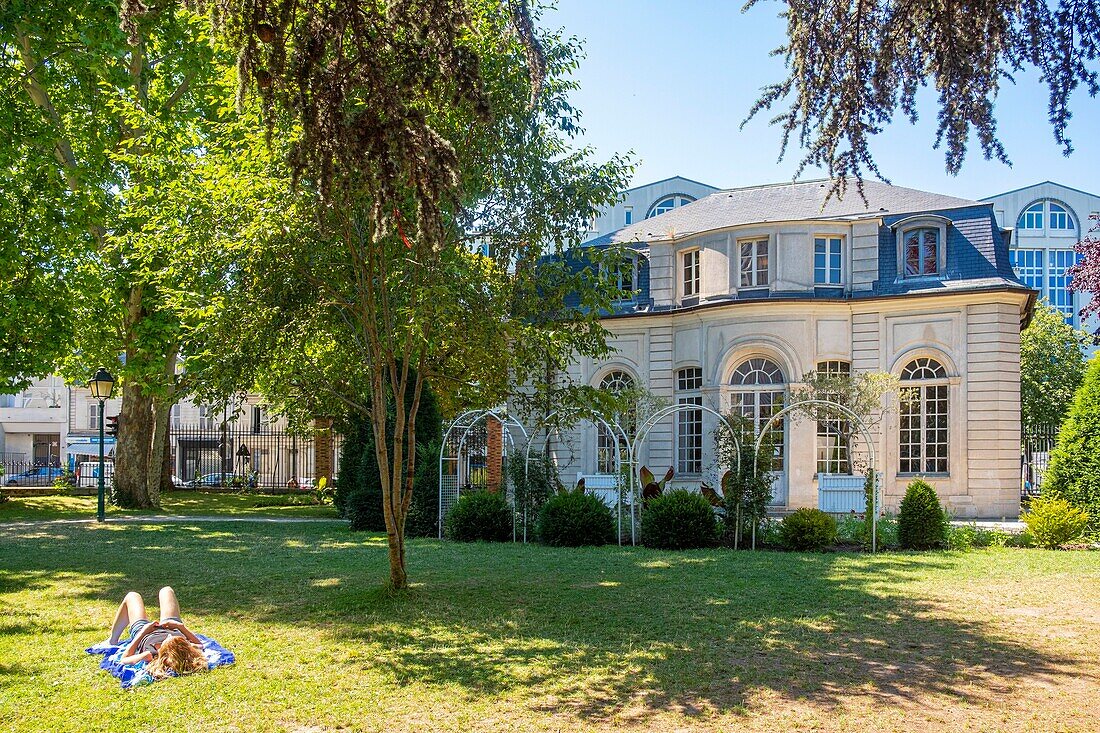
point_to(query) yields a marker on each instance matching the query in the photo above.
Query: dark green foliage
(1074, 472)
(678, 520)
(358, 496)
(808, 530)
(480, 516)
(573, 520)
(922, 522)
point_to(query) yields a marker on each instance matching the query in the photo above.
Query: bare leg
(132, 609)
(169, 606)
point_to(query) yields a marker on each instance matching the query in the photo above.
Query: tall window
(257, 419)
(754, 263)
(691, 273)
(833, 451)
(1046, 271)
(93, 416)
(1028, 264)
(923, 441)
(758, 389)
(174, 418)
(827, 260)
(921, 252)
(1059, 281)
(606, 443)
(668, 203)
(628, 215)
(689, 423)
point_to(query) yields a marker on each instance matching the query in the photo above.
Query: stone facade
(960, 316)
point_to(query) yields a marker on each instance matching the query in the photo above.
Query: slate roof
(804, 200)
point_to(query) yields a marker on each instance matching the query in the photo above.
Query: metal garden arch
(466, 422)
(651, 422)
(847, 412)
(612, 427)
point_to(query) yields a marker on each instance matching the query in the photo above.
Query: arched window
(616, 382)
(758, 389)
(923, 441)
(1031, 217)
(668, 203)
(1047, 215)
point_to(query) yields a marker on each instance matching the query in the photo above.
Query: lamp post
(100, 386)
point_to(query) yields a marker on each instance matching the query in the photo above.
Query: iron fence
(225, 455)
(1035, 446)
(18, 471)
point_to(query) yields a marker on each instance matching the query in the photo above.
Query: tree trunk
(162, 411)
(132, 449)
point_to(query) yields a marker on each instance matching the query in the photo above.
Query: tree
(1085, 275)
(852, 66)
(1074, 470)
(862, 393)
(1051, 367)
(105, 105)
(361, 276)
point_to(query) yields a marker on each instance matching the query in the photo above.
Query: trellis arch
(466, 422)
(612, 427)
(643, 432)
(847, 412)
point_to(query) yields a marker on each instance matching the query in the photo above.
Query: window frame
(828, 240)
(935, 389)
(827, 429)
(923, 221)
(606, 441)
(1046, 216)
(758, 277)
(697, 279)
(689, 445)
(677, 199)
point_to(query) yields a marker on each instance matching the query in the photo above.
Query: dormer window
(625, 278)
(922, 245)
(753, 262)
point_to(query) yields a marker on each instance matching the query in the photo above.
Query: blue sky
(672, 81)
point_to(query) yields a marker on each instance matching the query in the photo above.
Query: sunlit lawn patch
(513, 637)
(190, 503)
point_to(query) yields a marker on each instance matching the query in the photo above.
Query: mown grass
(187, 503)
(514, 637)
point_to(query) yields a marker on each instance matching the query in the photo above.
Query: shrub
(480, 516)
(1054, 522)
(572, 520)
(922, 522)
(808, 530)
(963, 537)
(1074, 472)
(679, 520)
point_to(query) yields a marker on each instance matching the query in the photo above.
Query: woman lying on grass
(167, 645)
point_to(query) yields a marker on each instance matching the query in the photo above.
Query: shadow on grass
(599, 632)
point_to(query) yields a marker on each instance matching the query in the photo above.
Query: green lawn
(513, 637)
(189, 503)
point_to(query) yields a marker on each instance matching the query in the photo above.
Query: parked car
(87, 473)
(209, 480)
(38, 476)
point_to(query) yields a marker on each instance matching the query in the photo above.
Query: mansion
(730, 299)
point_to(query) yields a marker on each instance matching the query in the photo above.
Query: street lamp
(100, 386)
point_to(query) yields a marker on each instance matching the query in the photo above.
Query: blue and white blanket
(133, 675)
